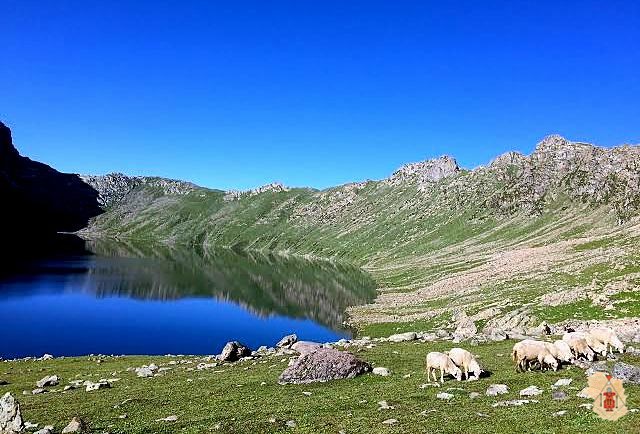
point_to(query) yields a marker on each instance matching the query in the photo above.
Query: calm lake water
(71, 297)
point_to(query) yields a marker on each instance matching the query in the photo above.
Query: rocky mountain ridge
(113, 187)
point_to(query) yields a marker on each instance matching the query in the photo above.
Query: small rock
(44, 430)
(513, 402)
(90, 387)
(562, 382)
(559, 395)
(291, 424)
(560, 413)
(497, 389)
(474, 395)
(403, 337)
(38, 391)
(444, 395)
(390, 421)
(306, 393)
(384, 406)
(171, 418)
(531, 391)
(76, 425)
(287, 341)
(323, 364)
(30, 426)
(379, 370)
(48, 381)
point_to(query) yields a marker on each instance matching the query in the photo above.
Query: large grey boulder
(287, 341)
(234, 351)
(626, 372)
(10, 417)
(324, 364)
(305, 347)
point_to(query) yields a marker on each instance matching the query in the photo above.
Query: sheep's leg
(441, 375)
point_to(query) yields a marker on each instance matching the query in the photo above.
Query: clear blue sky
(237, 94)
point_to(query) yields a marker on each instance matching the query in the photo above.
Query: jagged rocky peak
(113, 187)
(425, 172)
(273, 187)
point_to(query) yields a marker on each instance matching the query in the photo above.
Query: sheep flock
(529, 354)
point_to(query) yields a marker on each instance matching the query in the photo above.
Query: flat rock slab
(403, 337)
(626, 372)
(323, 364)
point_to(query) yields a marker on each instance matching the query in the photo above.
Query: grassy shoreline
(245, 396)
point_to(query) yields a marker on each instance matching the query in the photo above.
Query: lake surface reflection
(68, 296)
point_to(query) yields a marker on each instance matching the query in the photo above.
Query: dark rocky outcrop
(37, 199)
(324, 364)
(234, 351)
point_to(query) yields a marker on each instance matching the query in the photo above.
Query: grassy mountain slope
(500, 241)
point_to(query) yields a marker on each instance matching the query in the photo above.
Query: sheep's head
(551, 361)
(456, 372)
(475, 368)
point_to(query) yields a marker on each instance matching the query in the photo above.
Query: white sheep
(528, 351)
(436, 360)
(608, 338)
(563, 351)
(465, 360)
(579, 345)
(594, 343)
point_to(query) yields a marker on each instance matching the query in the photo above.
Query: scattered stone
(287, 341)
(90, 386)
(403, 337)
(465, 329)
(474, 395)
(426, 412)
(588, 406)
(306, 393)
(390, 421)
(45, 357)
(323, 364)
(560, 413)
(562, 382)
(30, 426)
(513, 402)
(10, 417)
(45, 430)
(626, 372)
(482, 414)
(291, 424)
(146, 371)
(38, 391)
(531, 391)
(559, 395)
(383, 405)
(384, 372)
(171, 418)
(48, 381)
(234, 351)
(584, 393)
(444, 395)
(497, 389)
(76, 425)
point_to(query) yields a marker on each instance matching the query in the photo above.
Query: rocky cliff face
(425, 173)
(37, 199)
(113, 187)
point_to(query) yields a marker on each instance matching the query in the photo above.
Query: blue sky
(237, 94)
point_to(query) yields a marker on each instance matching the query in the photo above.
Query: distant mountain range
(429, 233)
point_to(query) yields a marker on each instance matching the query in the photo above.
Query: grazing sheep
(563, 351)
(608, 338)
(436, 360)
(579, 346)
(465, 360)
(595, 344)
(528, 351)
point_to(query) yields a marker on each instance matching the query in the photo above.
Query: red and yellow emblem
(609, 398)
